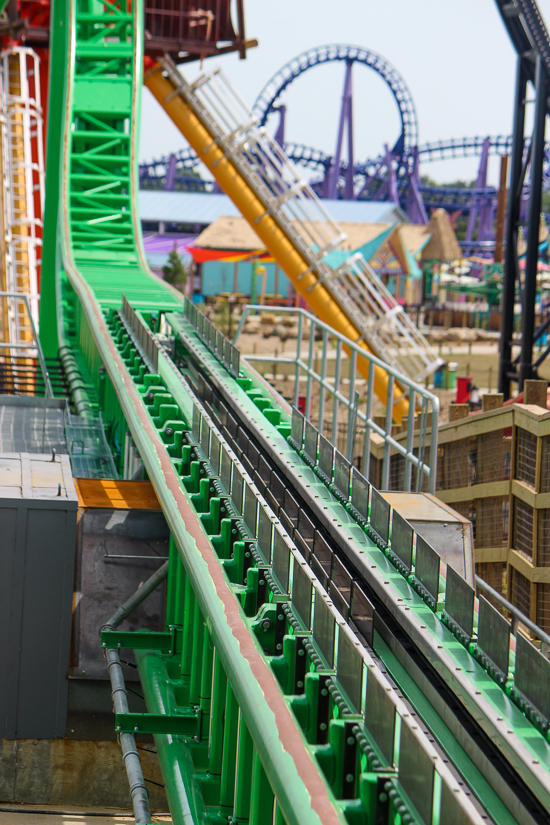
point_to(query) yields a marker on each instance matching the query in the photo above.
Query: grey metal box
(38, 514)
(449, 533)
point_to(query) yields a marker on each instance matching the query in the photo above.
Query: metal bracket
(183, 724)
(140, 640)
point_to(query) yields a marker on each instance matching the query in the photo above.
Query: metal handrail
(48, 391)
(517, 615)
(354, 287)
(419, 398)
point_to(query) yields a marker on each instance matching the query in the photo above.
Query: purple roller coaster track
(392, 176)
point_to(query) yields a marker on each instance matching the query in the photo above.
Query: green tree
(426, 180)
(174, 271)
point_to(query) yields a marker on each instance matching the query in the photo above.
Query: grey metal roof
(39, 476)
(32, 425)
(201, 208)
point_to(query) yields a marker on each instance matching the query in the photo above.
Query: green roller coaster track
(92, 232)
(92, 256)
(258, 697)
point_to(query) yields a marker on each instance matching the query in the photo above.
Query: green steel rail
(263, 710)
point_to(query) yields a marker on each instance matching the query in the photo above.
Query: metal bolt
(266, 624)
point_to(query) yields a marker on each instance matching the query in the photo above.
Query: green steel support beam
(57, 96)
(184, 795)
(142, 640)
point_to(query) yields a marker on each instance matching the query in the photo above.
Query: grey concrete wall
(71, 772)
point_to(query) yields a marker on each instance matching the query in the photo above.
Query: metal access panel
(449, 533)
(38, 515)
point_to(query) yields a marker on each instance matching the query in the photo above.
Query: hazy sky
(455, 57)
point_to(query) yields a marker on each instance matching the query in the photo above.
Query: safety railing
(263, 164)
(28, 349)
(344, 355)
(386, 326)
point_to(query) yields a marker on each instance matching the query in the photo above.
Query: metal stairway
(374, 316)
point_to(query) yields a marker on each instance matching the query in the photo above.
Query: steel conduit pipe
(130, 756)
(136, 598)
(77, 387)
